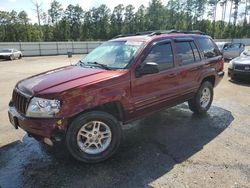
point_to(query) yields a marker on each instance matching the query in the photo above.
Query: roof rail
(159, 32)
(182, 31)
(193, 32)
(138, 33)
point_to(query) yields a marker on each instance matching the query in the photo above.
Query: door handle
(172, 75)
(197, 68)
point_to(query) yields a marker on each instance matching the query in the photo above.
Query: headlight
(39, 107)
(230, 65)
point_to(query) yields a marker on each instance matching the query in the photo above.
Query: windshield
(5, 50)
(246, 53)
(112, 54)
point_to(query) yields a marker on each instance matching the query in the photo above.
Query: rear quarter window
(208, 47)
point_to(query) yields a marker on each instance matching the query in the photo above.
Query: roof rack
(159, 32)
(192, 32)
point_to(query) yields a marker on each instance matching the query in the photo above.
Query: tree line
(100, 23)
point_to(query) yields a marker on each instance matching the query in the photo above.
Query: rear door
(190, 65)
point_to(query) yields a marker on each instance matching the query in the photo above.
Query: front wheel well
(114, 108)
(210, 79)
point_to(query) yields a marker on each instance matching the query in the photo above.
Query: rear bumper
(38, 128)
(219, 77)
(221, 74)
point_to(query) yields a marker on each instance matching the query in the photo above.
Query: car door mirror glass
(225, 48)
(147, 68)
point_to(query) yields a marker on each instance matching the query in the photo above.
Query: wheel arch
(114, 108)
(210, 78)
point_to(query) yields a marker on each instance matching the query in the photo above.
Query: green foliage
(101, 23)
(55, 12)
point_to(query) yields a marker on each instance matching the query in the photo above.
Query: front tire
(93, 137)
(202, 100)
(12, 57)
(232, 77)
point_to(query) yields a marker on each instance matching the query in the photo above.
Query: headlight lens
(230, 65)
(39, 107)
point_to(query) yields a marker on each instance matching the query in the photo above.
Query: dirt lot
(172, 148)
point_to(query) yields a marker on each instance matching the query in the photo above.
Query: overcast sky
(19, 5)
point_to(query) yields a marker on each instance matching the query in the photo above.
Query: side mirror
(69, 54)
(148, 68)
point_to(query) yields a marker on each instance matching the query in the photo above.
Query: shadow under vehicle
(150, 148)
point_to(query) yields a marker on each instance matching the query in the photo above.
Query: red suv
(126, 78)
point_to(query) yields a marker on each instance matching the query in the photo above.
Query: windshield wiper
(81, 63)
(100, 65)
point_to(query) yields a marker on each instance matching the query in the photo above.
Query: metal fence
(51, 48)
(62, 48)
(245, 41)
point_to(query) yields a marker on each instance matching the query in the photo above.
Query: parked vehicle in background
(245, 52)
(230, 50)
(239, 67)
(10, 54)
(123, 79)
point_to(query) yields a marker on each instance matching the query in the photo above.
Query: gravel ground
(172, 148)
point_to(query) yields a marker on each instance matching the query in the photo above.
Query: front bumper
(238, 73)
(4, 56)
(39, 128)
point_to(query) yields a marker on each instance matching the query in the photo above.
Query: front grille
(20, 102)
(241, 67)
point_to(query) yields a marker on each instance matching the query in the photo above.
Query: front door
(153, 90)
(232, 50)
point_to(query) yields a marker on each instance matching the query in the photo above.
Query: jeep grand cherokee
(126, 78)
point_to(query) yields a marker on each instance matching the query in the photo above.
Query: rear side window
(185, 53)
(208, 47)
(162, 55)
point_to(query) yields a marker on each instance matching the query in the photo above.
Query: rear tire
(202, 100)
(20, 56)
(93, 137)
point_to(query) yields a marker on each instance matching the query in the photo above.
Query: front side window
(233, 46)
(162, 55)
(112, 54)
(209, 48)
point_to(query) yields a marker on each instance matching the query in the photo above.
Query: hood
(64, 78)
(242, 60)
